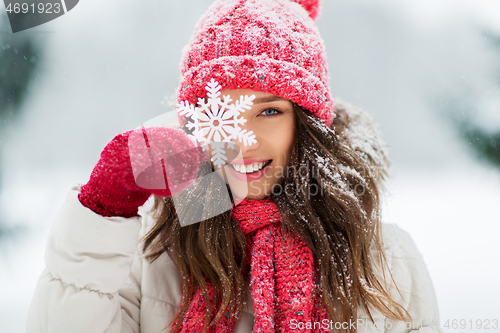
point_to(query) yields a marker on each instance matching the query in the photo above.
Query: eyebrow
(268, 99)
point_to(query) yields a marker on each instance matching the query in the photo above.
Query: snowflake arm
(184, 108)
(246, 137)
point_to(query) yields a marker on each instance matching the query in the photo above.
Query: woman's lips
(248, 161)
(248, 177)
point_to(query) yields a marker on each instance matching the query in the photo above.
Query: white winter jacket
(97, 280)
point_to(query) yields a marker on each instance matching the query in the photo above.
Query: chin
(257, 196)
(239, 194)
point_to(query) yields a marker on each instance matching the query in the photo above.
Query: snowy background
(107, 66)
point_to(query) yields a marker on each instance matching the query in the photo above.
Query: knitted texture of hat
(283, 278)
(264, 45)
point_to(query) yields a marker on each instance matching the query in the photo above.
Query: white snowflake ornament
(216, 122)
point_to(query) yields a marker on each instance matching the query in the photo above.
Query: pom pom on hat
(262, 45)
(312, 6)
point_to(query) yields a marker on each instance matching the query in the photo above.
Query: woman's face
(262, 165)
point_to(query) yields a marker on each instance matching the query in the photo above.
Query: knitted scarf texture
(282, 277)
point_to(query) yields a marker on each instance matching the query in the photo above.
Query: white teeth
(248, 168)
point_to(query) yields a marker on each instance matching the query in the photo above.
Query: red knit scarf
(285, 295)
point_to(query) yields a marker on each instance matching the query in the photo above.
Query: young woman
(300, 245)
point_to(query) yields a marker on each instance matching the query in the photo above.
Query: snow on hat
(264, 45)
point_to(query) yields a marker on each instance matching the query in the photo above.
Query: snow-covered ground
(453, 218)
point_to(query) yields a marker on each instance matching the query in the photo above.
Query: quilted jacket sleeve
(416, 291)
(89, 258)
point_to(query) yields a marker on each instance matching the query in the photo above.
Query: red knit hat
(264, 45)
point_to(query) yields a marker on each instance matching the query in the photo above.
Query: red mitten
(136, 164)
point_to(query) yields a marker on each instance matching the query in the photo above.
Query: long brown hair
(334, 206)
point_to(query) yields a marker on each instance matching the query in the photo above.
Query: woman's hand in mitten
(138, 163)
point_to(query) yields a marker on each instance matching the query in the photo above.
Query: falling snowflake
(216, 122)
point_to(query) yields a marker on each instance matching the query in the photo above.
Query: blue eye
(269, 112)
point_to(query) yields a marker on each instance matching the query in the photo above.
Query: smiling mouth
(250, 168)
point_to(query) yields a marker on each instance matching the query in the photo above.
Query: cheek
(286, 141)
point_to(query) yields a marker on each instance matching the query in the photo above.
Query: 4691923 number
(40, 8)
(485, 324)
